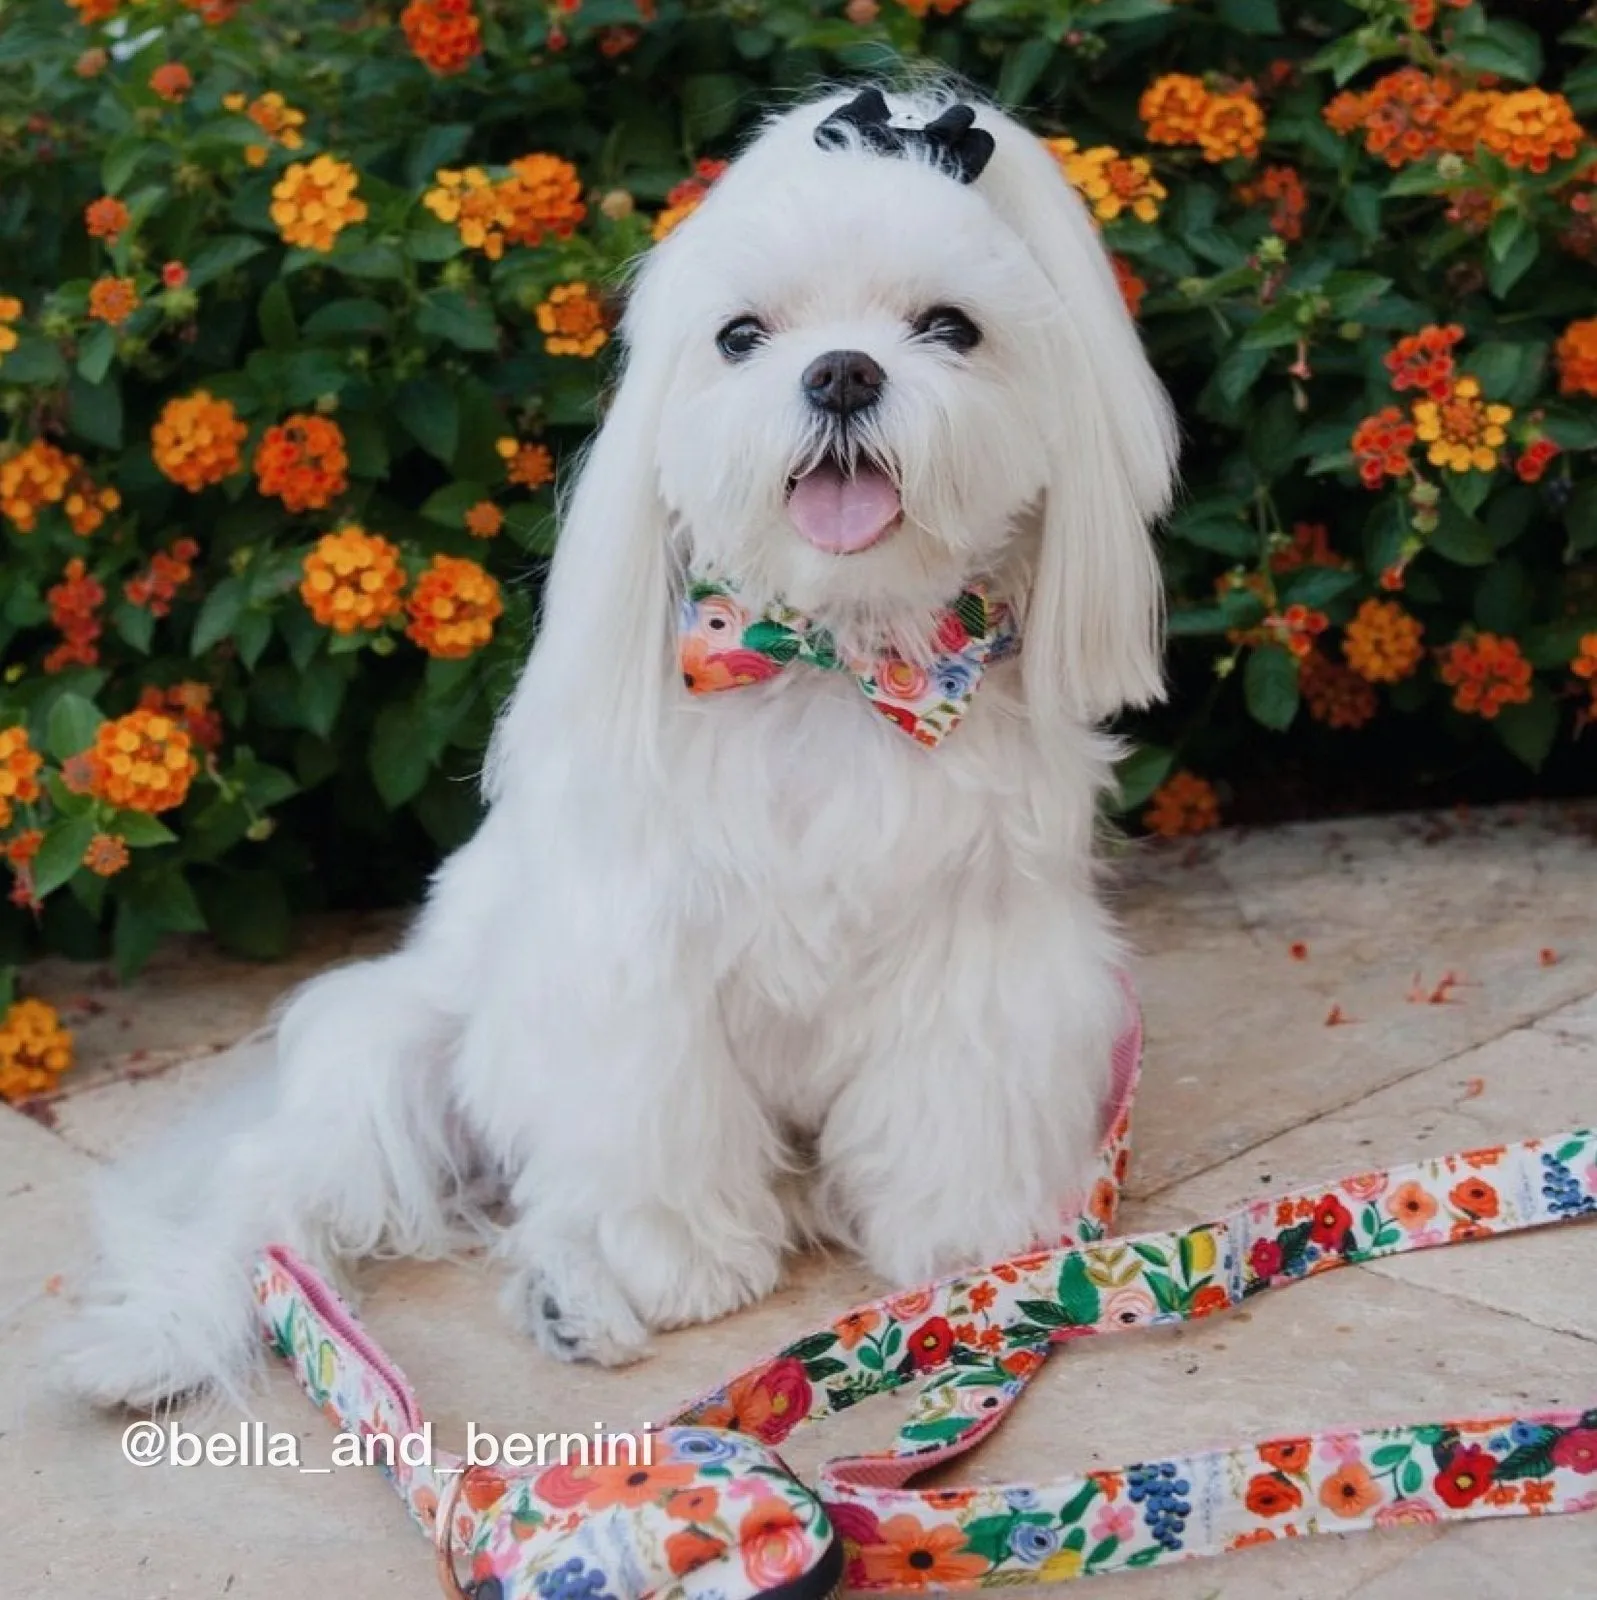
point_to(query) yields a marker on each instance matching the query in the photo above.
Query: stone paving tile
(1243, 1078)
(190, 1001)
(1525, 1084)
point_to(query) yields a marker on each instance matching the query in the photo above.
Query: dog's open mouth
(843, 509)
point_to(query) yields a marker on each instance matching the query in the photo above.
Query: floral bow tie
(721, 644)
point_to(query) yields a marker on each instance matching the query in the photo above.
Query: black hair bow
(955, 143)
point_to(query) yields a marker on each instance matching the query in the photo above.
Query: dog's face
(855, 412)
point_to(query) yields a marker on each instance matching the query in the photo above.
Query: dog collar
(719, 1513)
(722, 644)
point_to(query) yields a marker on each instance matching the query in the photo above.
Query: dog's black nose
(843, 381)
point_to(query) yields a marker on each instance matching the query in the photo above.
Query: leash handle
(978, 1338)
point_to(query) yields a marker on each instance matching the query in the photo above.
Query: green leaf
(1504, 233)
(72, 724)
(248, 913)
(1315, 587)
(122, 159)
(222, 256)
(139, 830)
(61, 854)
(448, 506)
(366, 445)
(467, 323)
(710, 105)
(134, 624)
(1139, 774)
(96, 351)
(1024, 64)
(134, 939)
(1077, 1294)
(218, 615)
(1259, 17)
(428, 411)
(168, 902)
(378, 261)
(1270, 686)
(35, 362)
(251, 634)
(1108, 12)
(343, 319)
(1509, 49)
(1238, 371)
(1459, 537)
(1467, 490)
(1570, 429)
(276, 315)
(399, 758)
(1502, 275)
(321, 694)
(94, 411)
(1504, 597)
(1580, 517)
(435, 147)
(1528, 730)
(1361, 205)
(1411, 1478)
(1350, 292)
(533, 527)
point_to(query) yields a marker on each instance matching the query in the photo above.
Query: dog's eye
(741, 337)
(948, 325)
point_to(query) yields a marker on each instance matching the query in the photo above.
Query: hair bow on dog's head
(954, 142)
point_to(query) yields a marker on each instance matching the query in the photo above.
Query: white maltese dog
(722, 972)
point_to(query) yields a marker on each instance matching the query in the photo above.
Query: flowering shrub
(302, 304)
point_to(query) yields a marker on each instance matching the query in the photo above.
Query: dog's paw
(576, 1313)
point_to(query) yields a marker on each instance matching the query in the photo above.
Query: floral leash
(717, 1515)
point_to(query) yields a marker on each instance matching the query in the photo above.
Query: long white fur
(719, 974)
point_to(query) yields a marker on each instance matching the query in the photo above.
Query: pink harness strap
(974, 1340)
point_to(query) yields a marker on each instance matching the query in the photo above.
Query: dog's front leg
(642, 1164)
(981, 1050)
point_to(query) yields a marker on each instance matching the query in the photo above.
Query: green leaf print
(773, 640)
(1077, 1295)
(816, 1345)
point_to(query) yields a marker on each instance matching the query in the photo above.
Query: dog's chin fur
(719, 975)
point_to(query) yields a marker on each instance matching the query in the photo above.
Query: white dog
(724, 971)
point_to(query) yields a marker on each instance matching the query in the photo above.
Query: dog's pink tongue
(841, 515)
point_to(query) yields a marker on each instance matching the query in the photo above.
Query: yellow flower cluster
(1463, 431)
(1179, 109)
(10, 311)
(275, 117)
(1108, 181)
(542, 195)
(41, 475)
(313, 202)
(572, 321)
(34, 1049)
(352, 580)
(19, 772)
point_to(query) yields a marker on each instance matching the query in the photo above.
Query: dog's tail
(339, 1145)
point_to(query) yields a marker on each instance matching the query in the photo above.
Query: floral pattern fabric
(718, 1514)
(722, 644)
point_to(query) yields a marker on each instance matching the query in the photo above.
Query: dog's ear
(1094, 622)
(597, 675)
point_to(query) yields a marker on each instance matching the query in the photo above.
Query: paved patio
(1247, 1085)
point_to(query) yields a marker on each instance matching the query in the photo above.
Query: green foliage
(1274, 278)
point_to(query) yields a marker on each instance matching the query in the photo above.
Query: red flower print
(693, 1505)
(1290, 1455)
(1265, 1258)
(930, 1343)
(951, 634)
(1209, 1299)
(1272, 1496)
(689, 1549)
(633, 1486)
(771, 1537)
(769, 1404)
(1475, 1196)
(1577, 1450)
(1021, 1363)
(904, 718)
(481, 1488)
(1466, 1477)
(982, 1296)
(1332, 1220)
